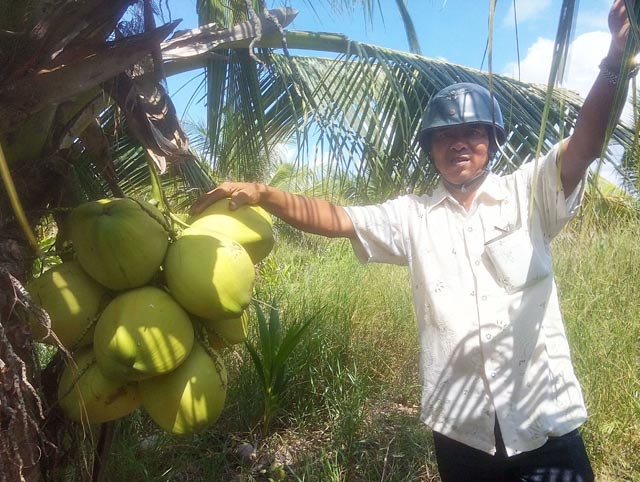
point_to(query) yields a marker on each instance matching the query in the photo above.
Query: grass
(350, 412)
(598, 279)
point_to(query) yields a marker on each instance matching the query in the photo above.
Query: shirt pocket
(516, 262)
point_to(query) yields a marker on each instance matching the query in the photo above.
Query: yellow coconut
(251, 226)
(86, 395)
(191, 397)
(209, 275)
(142, 333)
(225, 333)
(119, 242)
(72, 299)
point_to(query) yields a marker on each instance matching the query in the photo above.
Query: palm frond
(360, 112)
(183, 181)
(363, 109)
(412, 36)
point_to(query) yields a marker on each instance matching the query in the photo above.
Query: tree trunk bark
(21, 413)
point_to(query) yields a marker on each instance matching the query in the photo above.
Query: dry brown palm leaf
(47, 38)
(95, 141)
(151, 116)
(189, 47)
(35, 90)
(151, 119)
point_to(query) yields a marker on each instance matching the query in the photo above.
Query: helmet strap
(464, 187)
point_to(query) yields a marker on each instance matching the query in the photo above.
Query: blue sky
(455, 30)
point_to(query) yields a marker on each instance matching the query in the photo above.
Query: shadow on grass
(390, 444)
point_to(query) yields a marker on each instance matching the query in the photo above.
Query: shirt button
(477, 263)
(488, 336)
(493, 374)
(484, 298)
(470, 229)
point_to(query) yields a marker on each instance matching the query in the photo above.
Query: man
(499, 390)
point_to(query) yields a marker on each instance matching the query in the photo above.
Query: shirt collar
(491, 189)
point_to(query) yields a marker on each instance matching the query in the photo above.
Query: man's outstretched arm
(311, 215)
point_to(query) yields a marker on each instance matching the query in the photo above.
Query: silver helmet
(462, 103)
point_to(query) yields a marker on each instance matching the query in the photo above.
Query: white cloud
(585, 53)
(534, 67)
(526, 10)
(584, 57)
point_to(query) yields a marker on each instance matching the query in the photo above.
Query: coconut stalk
(295, 39)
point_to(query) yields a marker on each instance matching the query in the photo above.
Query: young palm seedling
(270, 357)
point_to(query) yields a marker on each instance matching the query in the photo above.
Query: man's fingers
(206, 200)
(200, 205)
(239, 193)
(239, 198)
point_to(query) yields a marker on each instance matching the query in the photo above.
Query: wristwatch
(612, 74)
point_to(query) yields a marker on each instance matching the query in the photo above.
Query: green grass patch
(598, 277)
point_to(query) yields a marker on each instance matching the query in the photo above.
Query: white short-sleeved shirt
(492, 340)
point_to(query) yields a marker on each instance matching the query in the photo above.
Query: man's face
(460, 152)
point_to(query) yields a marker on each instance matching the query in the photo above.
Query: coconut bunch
(146, 313)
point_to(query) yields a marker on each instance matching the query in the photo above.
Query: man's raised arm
(587, 140)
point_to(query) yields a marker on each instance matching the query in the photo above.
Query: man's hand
(619, 26)
(240, 193)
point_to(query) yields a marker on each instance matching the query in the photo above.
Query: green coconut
(190, 398)
(85, 394)
(142, 333)
(120, 242)
(225, 333)
(251, 226)
(72, 299)
(209, 275)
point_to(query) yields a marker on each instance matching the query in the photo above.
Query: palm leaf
(366, 107)
(412, 36)
(131, 171)
(362, 109)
